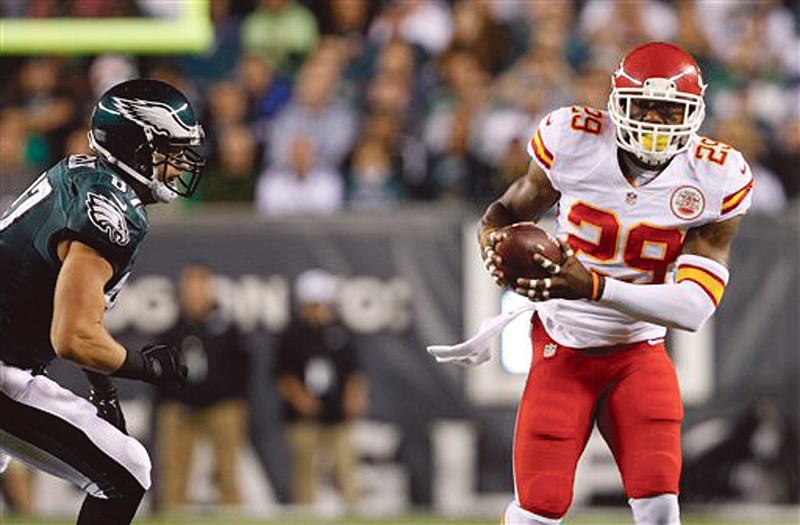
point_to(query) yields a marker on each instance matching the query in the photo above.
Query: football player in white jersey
(647, 212)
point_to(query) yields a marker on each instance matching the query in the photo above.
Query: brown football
(523, 240)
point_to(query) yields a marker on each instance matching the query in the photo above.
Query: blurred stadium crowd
(313, 107)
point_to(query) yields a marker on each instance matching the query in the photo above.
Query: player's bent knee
(133, 459)
(546, 495)
(138, 463)
(657, 510)
(516, 515)
(658, 474)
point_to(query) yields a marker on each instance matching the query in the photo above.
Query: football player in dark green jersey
(67, 245)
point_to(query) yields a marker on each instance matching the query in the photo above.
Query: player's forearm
(90, 346)
(496, 216)
(672, 305)
(686, 304)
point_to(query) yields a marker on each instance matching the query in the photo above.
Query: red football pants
(630, 390)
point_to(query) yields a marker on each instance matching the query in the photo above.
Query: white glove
(478, 349)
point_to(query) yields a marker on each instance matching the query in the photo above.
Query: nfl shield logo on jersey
(549, 350)
(687, 203)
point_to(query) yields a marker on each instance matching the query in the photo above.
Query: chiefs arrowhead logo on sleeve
(687, 203)
(107, 217)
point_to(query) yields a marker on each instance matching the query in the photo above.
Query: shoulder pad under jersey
(726, 173)
(105, 212)
(568, 134)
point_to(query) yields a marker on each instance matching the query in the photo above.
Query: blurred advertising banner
(441, 434)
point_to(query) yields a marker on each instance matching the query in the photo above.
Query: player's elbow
(64, 343)
(698, 310)
(70, 342)
(693, 325)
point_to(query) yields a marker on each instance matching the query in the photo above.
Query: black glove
(161, 365)
(103, 395)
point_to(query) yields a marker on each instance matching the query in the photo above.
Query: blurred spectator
(754, 38)
(372, 182)
(390, 94)
(613, 27)
(232, 175)
(347, 22)
(396, 60)
(553, 27)
(109, 70)
(226, 107)
(407, 152)
(17, 168)
(785, 155)
(693, 29)
(540, 80)
(160, 9)
(302, 186)
(267, 92)
(47, 108)
(281, 31)
(212, 405)
(476, 31)
(452, 129)
(347, 18)
(324, 389)
(219, 60)
(513, 165)
(316, 113)
(397, 84)
(68, 8)
(427, 23)
(382, 57)
(742, 132)
(592, 86)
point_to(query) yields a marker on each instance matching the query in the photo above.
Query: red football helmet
(663, 73)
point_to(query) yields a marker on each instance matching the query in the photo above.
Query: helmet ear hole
(143, 158)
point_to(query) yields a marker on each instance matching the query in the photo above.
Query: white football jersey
(626, 232)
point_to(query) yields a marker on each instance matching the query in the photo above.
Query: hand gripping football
(522, 241)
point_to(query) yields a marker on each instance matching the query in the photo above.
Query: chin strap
(160, 192)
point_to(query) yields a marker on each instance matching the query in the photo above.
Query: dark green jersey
(81, 199)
